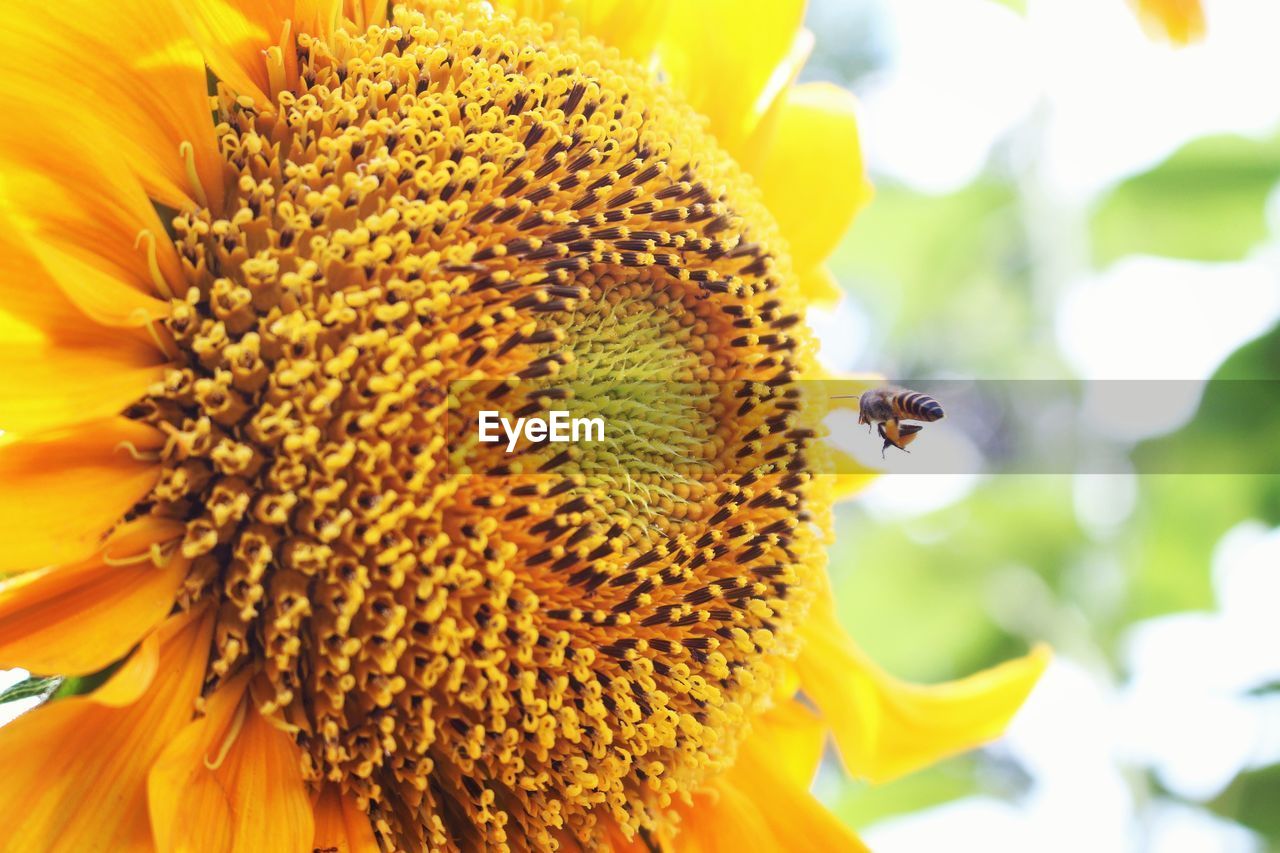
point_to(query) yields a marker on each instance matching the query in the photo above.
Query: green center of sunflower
(573, 639)
(644, 361)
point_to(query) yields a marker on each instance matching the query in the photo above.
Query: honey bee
(887, 408)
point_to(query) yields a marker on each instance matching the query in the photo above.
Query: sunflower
(246, 250)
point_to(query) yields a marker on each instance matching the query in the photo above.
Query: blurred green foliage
(1252, 800)
(951, 289)
(860, 805)
(1206, 202)
(1239, 417)
(946, 280)
(1181, 522)
(938, 571)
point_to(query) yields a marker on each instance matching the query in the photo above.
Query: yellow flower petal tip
(921, 724)
(884, 727)
(812, 175)
(820, 287)
(1178, 21)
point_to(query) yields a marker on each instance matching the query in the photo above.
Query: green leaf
(35, 687)
(1205, 202)
(1251, 800)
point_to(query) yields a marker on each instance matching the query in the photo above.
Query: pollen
(533, 648)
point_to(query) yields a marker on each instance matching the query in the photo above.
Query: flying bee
(887, 408)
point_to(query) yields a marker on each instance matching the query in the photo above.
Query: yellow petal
(750, 154)
(17, 331)
(721, 820)
(812, 174)
(632, 26)
(28, 295)
(1179, 21)
(317, 17)
(340, 825)
(364, 13)
(776, 767)
(75, 771)
(884, 727)
(91, 226)
(60, 366)
(97, 290)
(63, 492)
(121, 76)
(850, 475)
(235, 36)
(818, 286)
(789, 738)
(47, 386)
(76, 619)
(136, 675)
(725, 56)
(847, 483)
(232, 782)
(762, 802)
(797, 820)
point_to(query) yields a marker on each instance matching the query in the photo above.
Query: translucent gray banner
(654, 430)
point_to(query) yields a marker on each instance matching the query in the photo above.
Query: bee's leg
(888, 442)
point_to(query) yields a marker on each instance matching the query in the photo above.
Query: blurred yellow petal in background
(1179, 21)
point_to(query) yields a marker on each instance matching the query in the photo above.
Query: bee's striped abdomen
(912, 405)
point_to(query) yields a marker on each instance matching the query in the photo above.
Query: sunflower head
(451, 195)
(282, 323)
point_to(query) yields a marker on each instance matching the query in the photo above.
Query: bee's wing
(907, 433)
